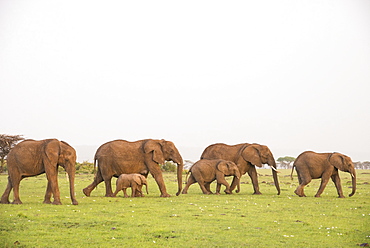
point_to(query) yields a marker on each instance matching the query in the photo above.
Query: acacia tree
(7, 142)
(286, 161)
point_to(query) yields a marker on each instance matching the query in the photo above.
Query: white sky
(293, 75)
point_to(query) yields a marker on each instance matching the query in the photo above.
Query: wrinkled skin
(133, 181)
(246, 157)
(123, 157)
(206, 171)
(311, 165)
(31, 158)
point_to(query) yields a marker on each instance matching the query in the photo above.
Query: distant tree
(168, 166)
(286, 161)
(7, 142)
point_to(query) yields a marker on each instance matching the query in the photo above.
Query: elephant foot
(228, 192)
(17, 202)
(75, 202)
(47, 201)
(165, 195)
(86, 191)
(57, 203)
(257, 193)
(341, 196)
(5, 202)
(184, 192)
(317, 196)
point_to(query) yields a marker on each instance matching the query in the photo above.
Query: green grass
(192, 220)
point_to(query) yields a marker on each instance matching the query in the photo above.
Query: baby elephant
(135, 181)
(206, 171)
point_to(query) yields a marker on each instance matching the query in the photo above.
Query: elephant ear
(137, 179)
(223, 167)
(338, 161)
(156, 148)
(251, 154)
(51, 151)
(143, 180)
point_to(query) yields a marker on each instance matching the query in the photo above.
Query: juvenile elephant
(246, 157)
(133, 181)
(123, 157)
(206, 171)
(31, 158)
(311, 165)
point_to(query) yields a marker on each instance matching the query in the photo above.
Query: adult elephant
(246, 157)
(31, 158)
(123, 157)
(311, 165)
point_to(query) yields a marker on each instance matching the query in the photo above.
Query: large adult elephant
(123, 157)
(31, 158)
(246, 157)
(311, 165)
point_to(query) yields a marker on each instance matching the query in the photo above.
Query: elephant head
(166, 151)
(229, 168)
(258, 155)
(344, 163)
(141, 180)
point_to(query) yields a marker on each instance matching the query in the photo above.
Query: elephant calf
(135, 181)
(206, 171)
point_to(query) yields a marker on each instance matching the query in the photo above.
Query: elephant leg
(139, 192)
(324, 182)
(208, 187)
(221, 180)
(133, 191)
(48, 194)
(125, 193)
(303, 181)
(234, 183)
(5, 196)
(16, 180)
(52, 176)
(116, 192)
(190, 181)
(203, 188)
(218, 188)
(157, 174)
(336, 179)
(97, 179)
(108, 186)
(253, 175)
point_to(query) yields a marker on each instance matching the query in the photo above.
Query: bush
(168, 166)
(85, 168)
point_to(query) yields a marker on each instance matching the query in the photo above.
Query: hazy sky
(293, 75)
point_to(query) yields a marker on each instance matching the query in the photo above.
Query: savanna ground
(192, 220)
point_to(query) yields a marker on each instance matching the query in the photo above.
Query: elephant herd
(133, 161)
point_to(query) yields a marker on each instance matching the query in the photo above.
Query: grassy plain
(192, 220)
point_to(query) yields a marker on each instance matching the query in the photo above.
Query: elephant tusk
(272, 167)
(352, 175)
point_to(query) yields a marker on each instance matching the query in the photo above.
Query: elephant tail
(95, 165)
(291, 174)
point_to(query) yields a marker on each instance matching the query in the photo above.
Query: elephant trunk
(71, 171)
(274, 175)
(146, 187)
(180, 168)
(238, 186)
(353, 174)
